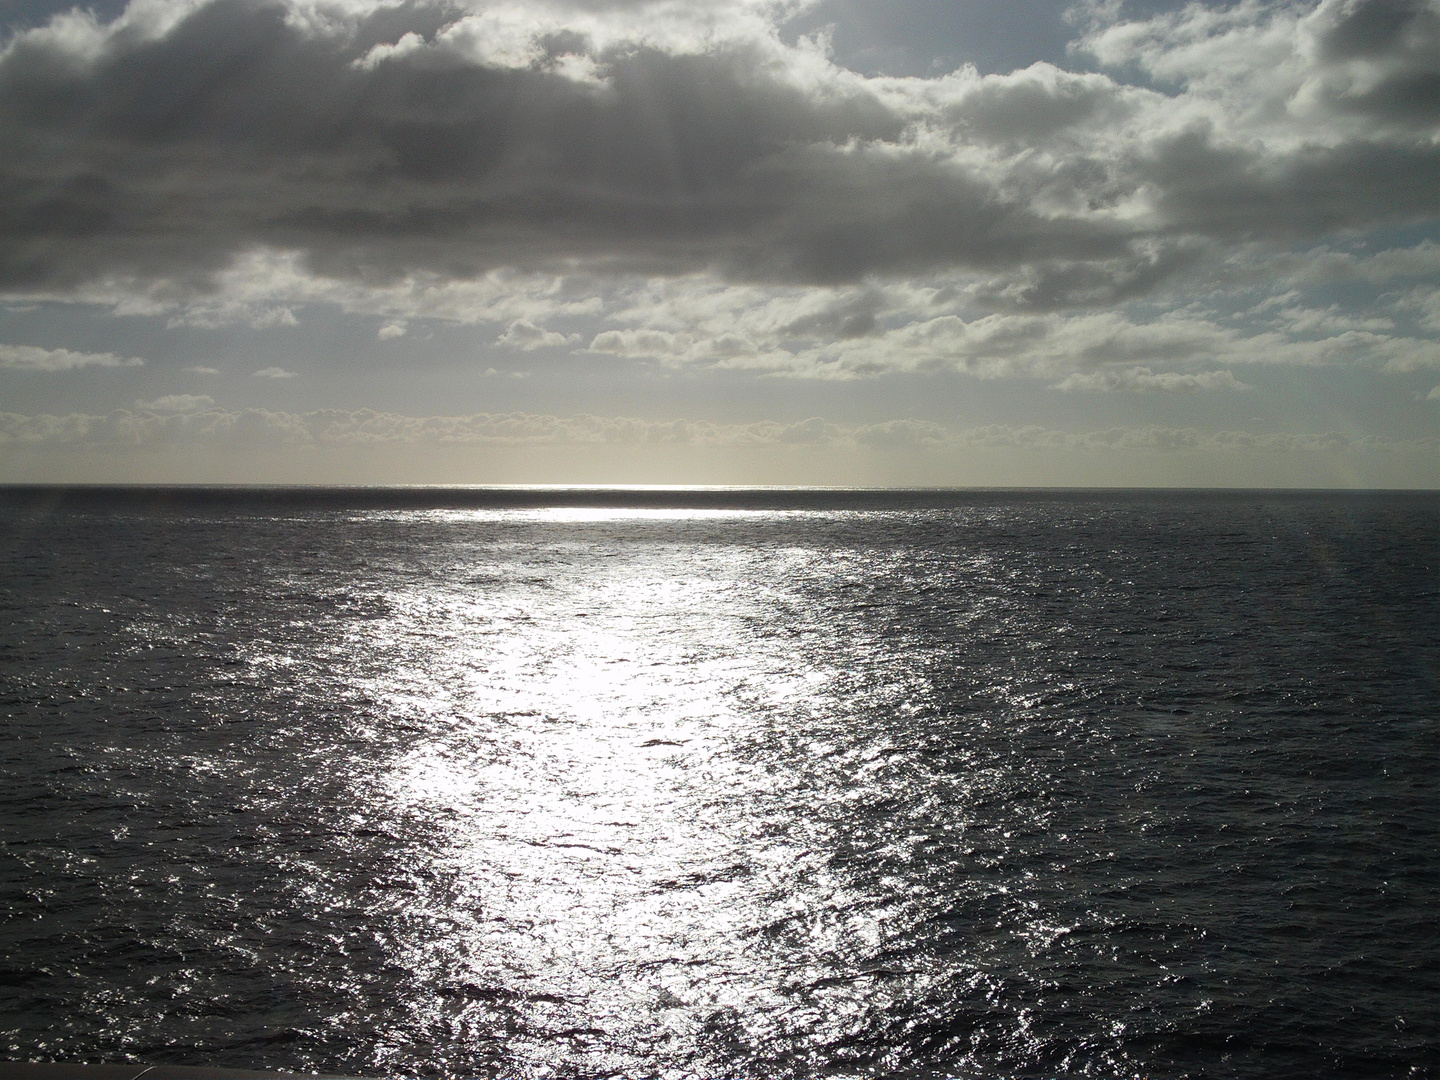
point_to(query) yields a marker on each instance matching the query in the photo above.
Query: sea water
(722, 784)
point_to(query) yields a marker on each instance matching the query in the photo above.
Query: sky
(851, 242)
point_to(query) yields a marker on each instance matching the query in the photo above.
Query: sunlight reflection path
(608, 860)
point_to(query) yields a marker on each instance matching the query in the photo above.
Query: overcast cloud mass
(1218, 220)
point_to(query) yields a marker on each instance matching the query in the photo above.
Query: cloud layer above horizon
(1207, 191)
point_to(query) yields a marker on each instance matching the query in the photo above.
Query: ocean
(722, 784)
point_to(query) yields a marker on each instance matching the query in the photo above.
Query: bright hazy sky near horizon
(910, 242)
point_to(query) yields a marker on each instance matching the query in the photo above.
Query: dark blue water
(722, 784)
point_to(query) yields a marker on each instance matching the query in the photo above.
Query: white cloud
(1409, 354)
(1434, 394)
(1423, 303)
(259, 279)
(1298, 319)
(201, 369)
(211, 314)
(274, 373)
(177, 403)
(392, 330)
(31, 358)
(728, 328)
(905, 434)
(640, 343)
(525, 335)
(1144, 380)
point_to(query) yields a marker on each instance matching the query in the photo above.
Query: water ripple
(1014, 787)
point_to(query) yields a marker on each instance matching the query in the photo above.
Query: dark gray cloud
(1396, 44)
(1033, 106)
(238, 127)
(1211, 188)
(1366, 29)
(160, 156)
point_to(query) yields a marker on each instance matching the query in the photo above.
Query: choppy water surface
(986, 785)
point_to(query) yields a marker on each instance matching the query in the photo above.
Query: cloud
(641, 343)
(210, 314)
(691, 189)
(32, 358)
(266, 429)
(1423, 303)
(201, 369)
(1144, 380)
(379, 143)
(525, 335)
(905, 435)
(274, 373)
(177, 403)
(1434, 394)
(1358, 64)
(803, 332)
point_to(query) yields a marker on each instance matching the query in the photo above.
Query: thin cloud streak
(32, 358)
(187, 420)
